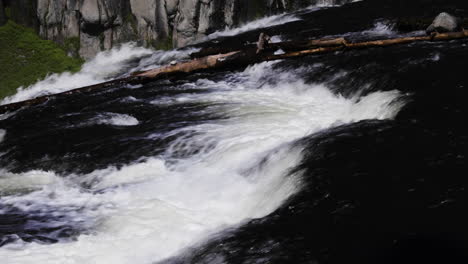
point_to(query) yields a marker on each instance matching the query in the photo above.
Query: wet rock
(91, 12)
(444, 22)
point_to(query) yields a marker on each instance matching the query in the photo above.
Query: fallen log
(209, 62)
(370, 44)
(242, 58)
(249, 56)
(41, 99)
(389, 42)
(286, 46)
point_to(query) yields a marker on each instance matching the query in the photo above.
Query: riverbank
(25, 58)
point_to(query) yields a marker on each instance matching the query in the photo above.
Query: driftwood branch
(241, 58)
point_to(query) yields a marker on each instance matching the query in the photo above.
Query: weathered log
(314, 43)
(301, 53)
(209, 62)
(38, 100)
(242, 58)
(272, 47)
(370, 44)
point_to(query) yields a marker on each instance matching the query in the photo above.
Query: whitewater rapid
(107, 65)
(216, 175)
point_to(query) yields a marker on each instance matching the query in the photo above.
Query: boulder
(444, 22)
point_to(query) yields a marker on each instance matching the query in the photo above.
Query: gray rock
(444, 22)
(91, 12)
(145, 16)
(95, 25)
(171, 7)
(186, 21)
(89, 46)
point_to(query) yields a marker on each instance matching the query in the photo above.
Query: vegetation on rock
(26, 58)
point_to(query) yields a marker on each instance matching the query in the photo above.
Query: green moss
(131, 20)
(165, 44)
(72, 46)
(25, 58)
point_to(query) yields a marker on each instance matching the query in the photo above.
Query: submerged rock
(444, 22)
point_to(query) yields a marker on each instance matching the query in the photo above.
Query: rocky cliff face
(86, 27)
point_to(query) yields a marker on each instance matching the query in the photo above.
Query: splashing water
(115, 119)
(214, 176)
(2, 134)
(160, 58)
(104, 66)
(381, 28)
(217, 175)
(259, 23)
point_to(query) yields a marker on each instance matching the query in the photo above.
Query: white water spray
(221, 173)
(2, 134)
(115, 119)
(256, 24)
(104, 66)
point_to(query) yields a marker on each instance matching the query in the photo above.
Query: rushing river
(312, 160)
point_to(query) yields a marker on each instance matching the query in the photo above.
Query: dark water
(372, 191)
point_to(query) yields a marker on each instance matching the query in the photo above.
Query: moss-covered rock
(165, 44)
(26, 58)
(72, 46)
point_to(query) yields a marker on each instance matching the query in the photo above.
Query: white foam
(33, 180)
(381, 28)
(276, 39)
(435, 57)
(115, 119)
(2, 134)
(220, 173)
(6, 115)
(329, 3)
(104, 66)
(256, 24)
(161, 58)
(279, 52)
